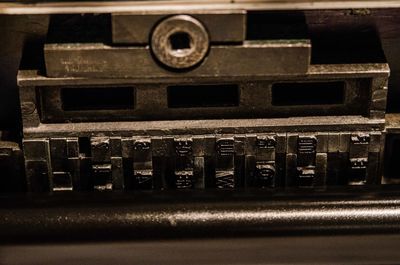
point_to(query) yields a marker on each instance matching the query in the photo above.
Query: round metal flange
(180, 42)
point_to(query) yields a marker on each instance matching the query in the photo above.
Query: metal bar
(51, 7)
(198, 214)
(247, 60)
(165, 128)
(317, 72)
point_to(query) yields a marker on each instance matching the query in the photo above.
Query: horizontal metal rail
(156, 215)
(53, 7)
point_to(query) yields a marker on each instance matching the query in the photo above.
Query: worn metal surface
(252, 99)
(180, 41)
(250, 59)
(177, 215)
(68, 7)
(392, 123)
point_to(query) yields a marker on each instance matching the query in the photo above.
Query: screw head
(180, 42)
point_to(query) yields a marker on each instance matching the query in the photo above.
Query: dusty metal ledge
(53, 7)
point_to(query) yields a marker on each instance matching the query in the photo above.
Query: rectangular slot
(97, 98)
(203, 96)
(308, 93)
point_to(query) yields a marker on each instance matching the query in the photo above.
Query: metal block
(323, 142)
(321, 167)
(292, 140)
(198, 146)
(184, 147)
(225, 146)
(358, 171)
(72, 147)
(100, 149)
(240, 145)
(38, 169)
(291, 170)
(115, 147)
(58, 153)
(160, 148)
(184, 164)
(306, 150)
(281, 145)
(306, 176)
(199, 173)
(209, 146)
(29, 108)
(143, 164)
(344, 142)
(378, 96)
(204, 161)
(377, 114)
(375, 144)
(74, 166)
(142, 146)
(86, 180)
(136, 28)
(359, 145)
(333, 169)
(152, 98)
(117, 174)
(250, 171)
(225, 165)
(378, 99)
(143, 179)
(224, 179)
(127, 147)
(184, 179)
(280, 168)
(102, 175)
(253, 58)
(62, 178)
(265, 174)
(266, 147)
(36, 149)
(62, 181)
(250, 146)
(38, 176)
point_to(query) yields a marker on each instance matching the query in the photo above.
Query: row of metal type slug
(221, 162)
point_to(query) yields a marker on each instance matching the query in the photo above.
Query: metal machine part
(180, 42)
(194, 43)
(81, 60)
(71, 7)
(263, 144)
(184, 215)
(136, 29)
(110, 124)
(76, 150)
(327, 90)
